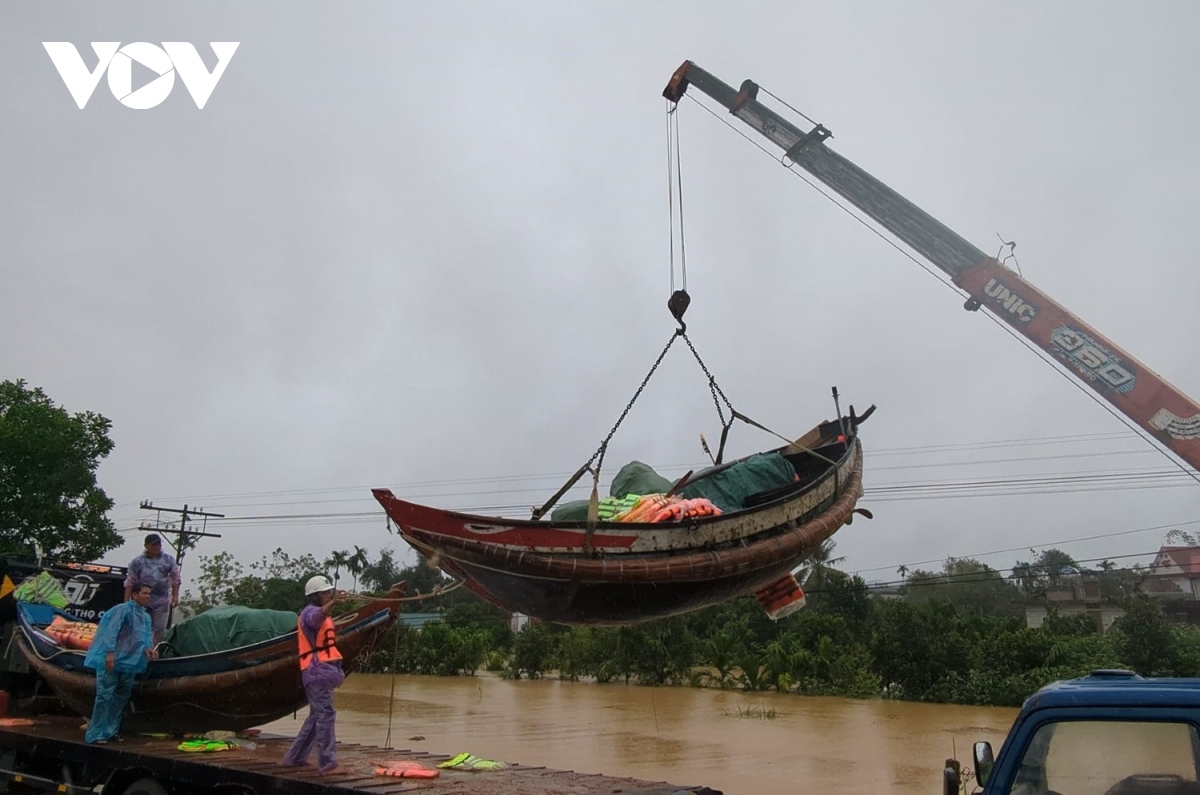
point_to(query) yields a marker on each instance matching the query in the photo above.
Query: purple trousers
(320, 680)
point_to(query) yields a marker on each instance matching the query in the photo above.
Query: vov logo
(165, 61)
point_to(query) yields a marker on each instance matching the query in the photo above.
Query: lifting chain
(712, 384)
(597, 458)
(599, 454)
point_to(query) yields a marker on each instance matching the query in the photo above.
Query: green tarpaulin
(224, 628)
(633, 478)
(638, 478)
(727, 488)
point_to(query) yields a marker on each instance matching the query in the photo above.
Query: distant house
(418, 620)
(1074, 594)
(1174, 578)
(888, 591)
(1175, 573)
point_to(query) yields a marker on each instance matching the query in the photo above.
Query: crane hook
(678, 304)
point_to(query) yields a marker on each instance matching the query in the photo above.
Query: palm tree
(815, 570)
(337, 560)
(357, 563)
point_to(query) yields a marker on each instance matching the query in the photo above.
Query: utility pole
(185, 538)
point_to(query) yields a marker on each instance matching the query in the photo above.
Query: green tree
(815, 570)
(275, 583)
(846, 596)
(378, 575)
(1044, 571)
(969, 584)
(723, 647)
(48, 490)
(216, 580)
(1183, 538)
(1144, 638)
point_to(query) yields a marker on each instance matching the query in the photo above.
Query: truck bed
(52, 741)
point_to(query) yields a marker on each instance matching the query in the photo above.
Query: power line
(1047, 483)
(926, 449)
(1117, 477)
(873, 469)
(1063, 542)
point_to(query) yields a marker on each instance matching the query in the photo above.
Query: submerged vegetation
(958, 635)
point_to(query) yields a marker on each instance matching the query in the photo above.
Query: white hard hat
(317, 584)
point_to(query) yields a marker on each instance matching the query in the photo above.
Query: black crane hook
(678, 304)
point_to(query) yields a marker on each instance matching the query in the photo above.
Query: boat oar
(538, 513)
(679, 484)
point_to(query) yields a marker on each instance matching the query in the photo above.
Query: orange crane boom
(1134, 389)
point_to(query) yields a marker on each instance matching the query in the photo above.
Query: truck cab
(1109, 733)
(88, 589)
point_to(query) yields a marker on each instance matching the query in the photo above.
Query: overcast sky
(425, 246)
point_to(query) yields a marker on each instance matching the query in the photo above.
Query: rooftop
(1117, 688)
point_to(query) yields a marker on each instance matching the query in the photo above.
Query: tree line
(955, 635)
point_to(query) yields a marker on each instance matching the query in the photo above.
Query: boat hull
(229, 700)
(612, 604)
(621, 575)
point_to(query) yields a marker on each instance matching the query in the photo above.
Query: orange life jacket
(325, 650)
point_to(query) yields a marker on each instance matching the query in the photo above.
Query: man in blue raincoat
(120, 650)
(159, 570)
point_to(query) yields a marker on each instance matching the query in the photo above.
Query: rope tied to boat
(438, 590)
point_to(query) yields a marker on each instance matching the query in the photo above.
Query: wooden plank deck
(259, 767)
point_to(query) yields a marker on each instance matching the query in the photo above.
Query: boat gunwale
(644, 539)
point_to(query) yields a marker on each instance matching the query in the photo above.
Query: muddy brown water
(683, 735)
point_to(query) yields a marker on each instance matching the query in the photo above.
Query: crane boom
(1133, 388)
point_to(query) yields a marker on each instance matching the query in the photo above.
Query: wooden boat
(259, 689)
(35, 621)
(617, 573)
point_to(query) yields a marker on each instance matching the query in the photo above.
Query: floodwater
(738, 742)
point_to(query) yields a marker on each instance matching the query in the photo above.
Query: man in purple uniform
(160, 571)
(321, 674)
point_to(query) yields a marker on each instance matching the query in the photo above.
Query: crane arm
(1133, 388)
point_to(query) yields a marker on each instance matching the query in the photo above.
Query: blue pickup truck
(1108, 733)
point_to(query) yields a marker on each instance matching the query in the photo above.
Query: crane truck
(1146, 398)
(1111, 732)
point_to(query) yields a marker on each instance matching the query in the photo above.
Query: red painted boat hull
(622, 574)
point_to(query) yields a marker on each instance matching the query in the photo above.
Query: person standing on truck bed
(119, 652)
(321, 673)
(159, 570)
